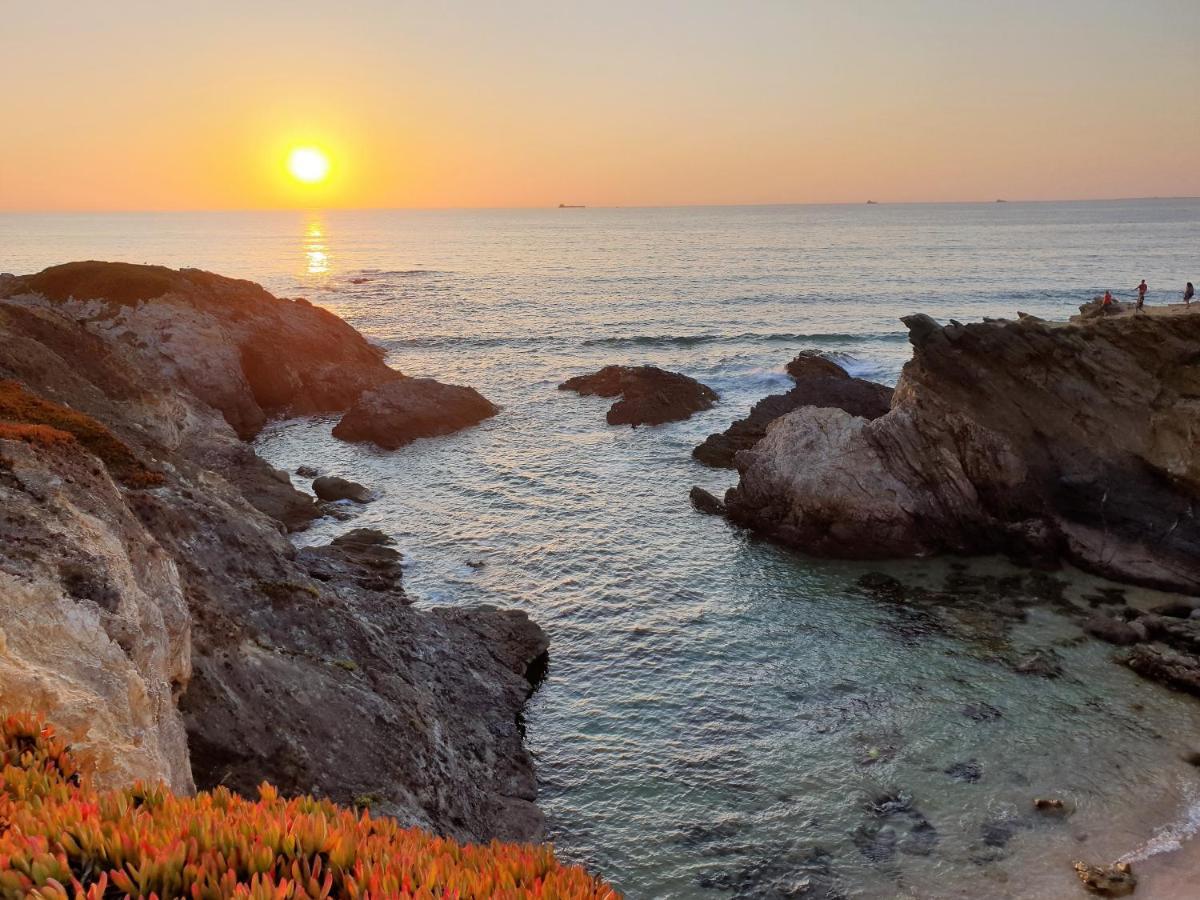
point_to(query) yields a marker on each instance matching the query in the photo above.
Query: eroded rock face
(136, 610)
(239, 349)
(1037, 439)
(819, 382)
(405, 409)
(649, 395)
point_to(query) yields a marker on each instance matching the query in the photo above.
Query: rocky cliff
(151, 603)
(1043, 440)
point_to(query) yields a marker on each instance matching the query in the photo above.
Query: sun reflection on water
(316, 252)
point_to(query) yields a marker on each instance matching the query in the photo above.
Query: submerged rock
(820, 382)
(649, 395)
(406, 409)
(1039, 440)
(332, 488)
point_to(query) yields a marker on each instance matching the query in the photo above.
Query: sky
(131, 105)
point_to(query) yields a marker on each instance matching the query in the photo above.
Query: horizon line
(311, 209)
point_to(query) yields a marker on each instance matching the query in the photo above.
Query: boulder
(649, 395)
(1170, 667)
(332, 488)
(1116, 880)
(705, 502)
(1040, 440)
(403, 410)
(820, 382)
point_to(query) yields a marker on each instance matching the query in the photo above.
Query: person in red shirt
(1141, 289)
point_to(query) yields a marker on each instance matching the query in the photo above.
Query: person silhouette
(1188, 293)
(1141, 289)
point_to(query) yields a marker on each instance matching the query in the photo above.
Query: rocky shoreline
(153, 606)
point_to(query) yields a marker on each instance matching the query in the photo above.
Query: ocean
(722, 717)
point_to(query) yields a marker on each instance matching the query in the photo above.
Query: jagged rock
(137, 608)
(820, 382)
(307, 472)
(364, 555)
(236, 347)
(649, 395)
(1116, 880)
(1051, 806)
(1166, 666)
(1036, 439)
(332, 488)
(705, 502)
(409, 408)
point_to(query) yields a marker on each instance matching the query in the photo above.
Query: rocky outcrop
(819, 382)
(239, 349)
(404, 410)
(649, 395)
(1037, 439)
(153, 607)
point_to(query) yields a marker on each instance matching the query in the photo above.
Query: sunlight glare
(308, 164)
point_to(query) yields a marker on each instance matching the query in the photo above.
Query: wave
(694, 340)
(1170, 837)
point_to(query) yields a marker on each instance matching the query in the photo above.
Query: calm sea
(720, 713)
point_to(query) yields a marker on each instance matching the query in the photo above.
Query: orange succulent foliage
(41, 435)
(21, 409)
(61, 839)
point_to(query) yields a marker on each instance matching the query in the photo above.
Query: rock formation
(242, 351)
(649, 395)
(1075, 441)
(152, 605)
(819, 382)
(401, 411)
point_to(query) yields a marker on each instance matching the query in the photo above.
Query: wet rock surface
(167, 624)
(649, 395)
(333, 488)
(406, 409)
(820, 382)
(1043, 441)
(1116, 880)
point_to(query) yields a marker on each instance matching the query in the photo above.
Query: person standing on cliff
(1106, 305)
(1188, 293)
(1141, 289)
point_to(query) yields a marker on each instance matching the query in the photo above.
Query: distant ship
(872, 203)
(571, 206)
(1001, 201)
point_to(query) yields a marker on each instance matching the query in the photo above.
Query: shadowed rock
(819, 382)
(409, 408)
(333, 488)
(649, 395)
(1044, 441)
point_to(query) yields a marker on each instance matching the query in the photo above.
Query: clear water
(718, 708)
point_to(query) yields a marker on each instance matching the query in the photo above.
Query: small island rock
(401, 411)
(333, 488)
(649, 395)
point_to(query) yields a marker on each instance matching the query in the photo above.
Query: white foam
(1170, 837)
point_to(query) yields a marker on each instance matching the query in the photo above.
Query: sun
(308, 164)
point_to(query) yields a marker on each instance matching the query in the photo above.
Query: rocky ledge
(649, 395)
(1042, 440)
(819, 382)
(247, 354)
(151, 604)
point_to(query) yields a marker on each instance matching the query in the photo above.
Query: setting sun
(308, 164)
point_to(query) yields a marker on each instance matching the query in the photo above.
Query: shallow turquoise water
(719, 712)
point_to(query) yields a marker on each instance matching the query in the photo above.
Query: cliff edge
(151, 604)
(1041, 440)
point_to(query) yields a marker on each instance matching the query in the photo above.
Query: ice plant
(59, 838)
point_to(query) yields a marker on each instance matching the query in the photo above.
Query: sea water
(723, 717)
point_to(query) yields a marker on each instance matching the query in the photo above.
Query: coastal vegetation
(60, 838)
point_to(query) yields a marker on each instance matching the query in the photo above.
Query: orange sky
(190, 105)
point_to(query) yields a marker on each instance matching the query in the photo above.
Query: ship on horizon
(571, 206)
